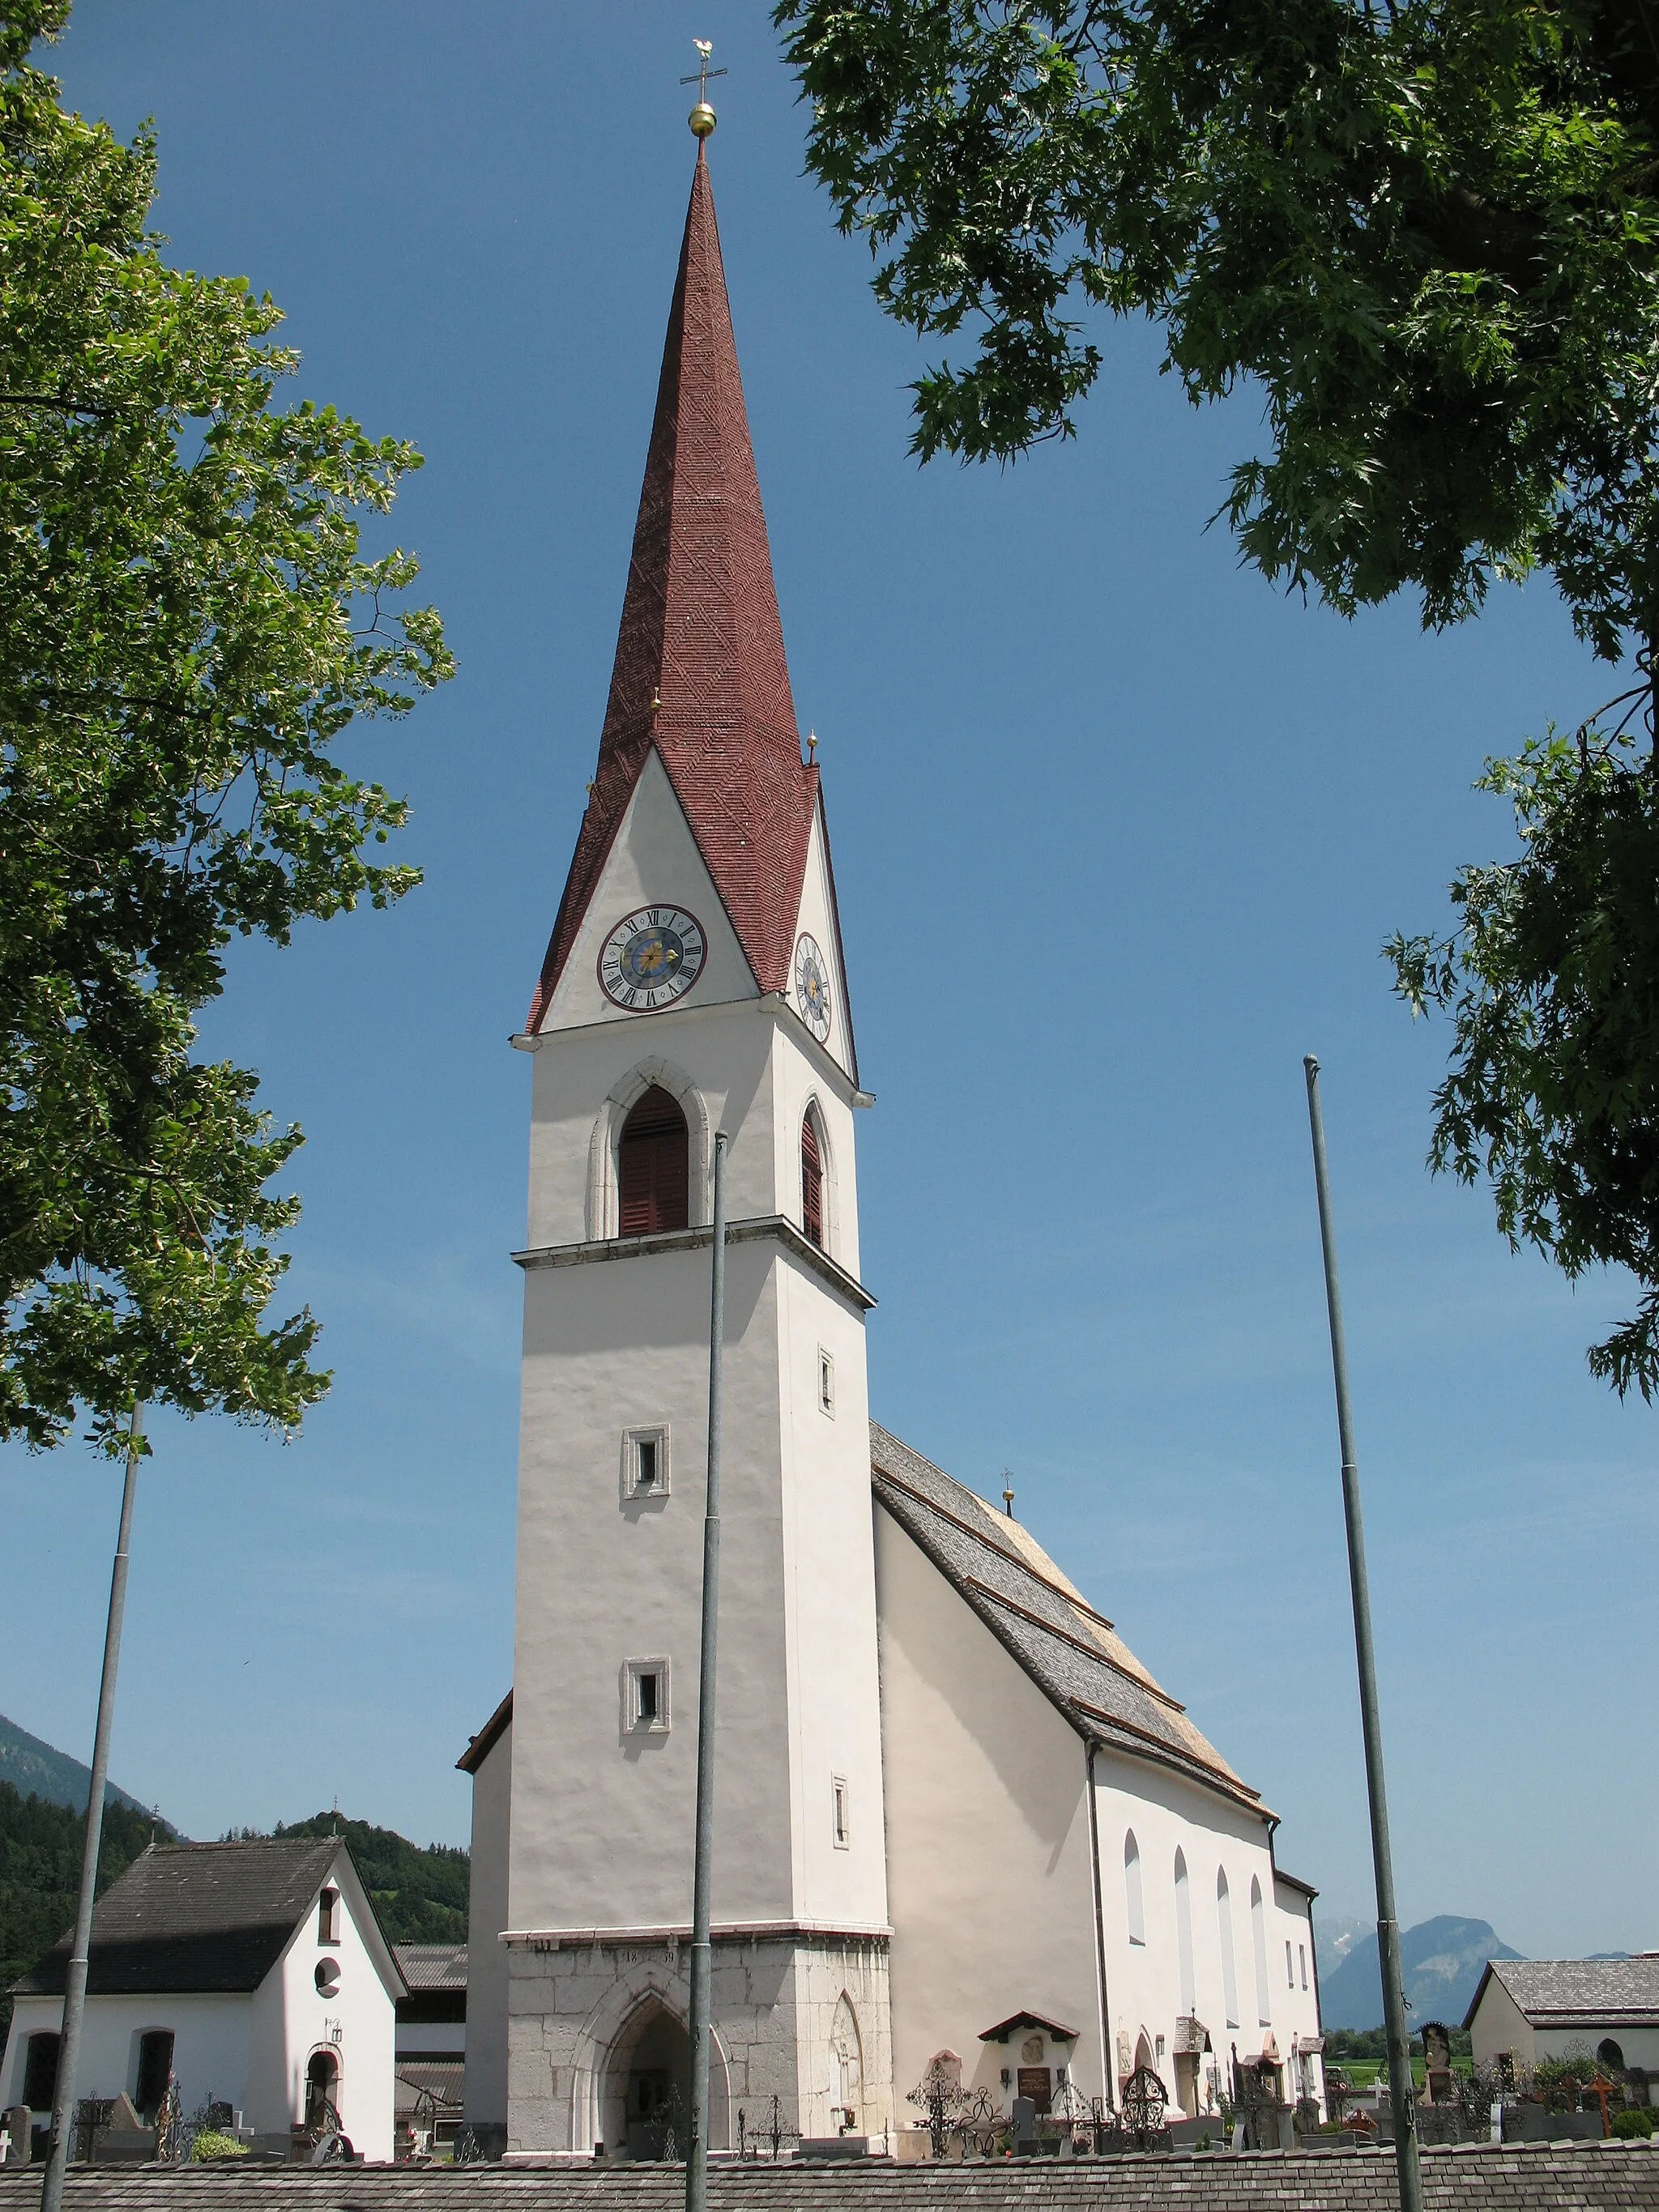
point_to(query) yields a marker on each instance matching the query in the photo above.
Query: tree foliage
(40, 1848)
(1424, 231)
(188, 624)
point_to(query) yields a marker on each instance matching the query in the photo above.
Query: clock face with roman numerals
(812, 988)
(652, 957)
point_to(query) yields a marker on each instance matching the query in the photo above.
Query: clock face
(652, 957)
(812, 988)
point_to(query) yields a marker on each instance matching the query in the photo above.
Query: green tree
(188, 623)
(1425, 231)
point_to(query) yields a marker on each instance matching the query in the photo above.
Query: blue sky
(1119, 832)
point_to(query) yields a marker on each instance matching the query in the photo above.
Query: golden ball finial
(702, 120)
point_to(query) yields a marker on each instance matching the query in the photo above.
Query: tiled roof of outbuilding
(1580, 1993)
(1071, 1652)
(432, 1966)
(191, 1917)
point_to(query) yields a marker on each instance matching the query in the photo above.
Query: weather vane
(702, 118)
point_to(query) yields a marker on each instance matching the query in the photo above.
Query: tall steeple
(700, 671)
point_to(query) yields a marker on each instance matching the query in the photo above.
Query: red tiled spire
(701, 636)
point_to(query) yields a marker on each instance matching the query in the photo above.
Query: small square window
(644, 1697)
(840, 1812)
(645, 1463)
(826, 1383)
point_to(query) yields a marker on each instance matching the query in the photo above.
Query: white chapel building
(956, 1819)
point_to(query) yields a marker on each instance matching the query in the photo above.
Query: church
(958, 1825)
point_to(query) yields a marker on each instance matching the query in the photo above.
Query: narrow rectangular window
(328, 1925)
(841, 1815)
(645, 1463)
(1302, 1953)
(1290, 1971)
(826, 1383)
(644, 1697)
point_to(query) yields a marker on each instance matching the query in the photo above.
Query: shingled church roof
(1072, 1653)
(699, 672)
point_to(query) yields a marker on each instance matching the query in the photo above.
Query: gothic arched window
(1223, 1914)
(1132, 1893)
(654, 1186)
(811, 1179)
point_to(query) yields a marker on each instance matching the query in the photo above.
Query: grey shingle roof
(1591, 2177)
(1071, 1652)
(432, 1966)
(195, 1916)
(1582, 1992)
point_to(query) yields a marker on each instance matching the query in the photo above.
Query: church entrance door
(659, 2089)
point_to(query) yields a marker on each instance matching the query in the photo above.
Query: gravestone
(1025, 2133)
(17, 2128)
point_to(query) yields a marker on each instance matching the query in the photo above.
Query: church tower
(694, 983)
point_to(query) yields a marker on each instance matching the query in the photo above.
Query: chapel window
(1289, 1969)
(840, 1814)
(811, 1179)
(41, 2071)
(154, 2072)
(328, 1916)
(1133, 1898)
(1302, 1957)
(653, 1167)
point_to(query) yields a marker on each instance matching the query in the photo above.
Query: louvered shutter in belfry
(651, 1175)
(812, 1182)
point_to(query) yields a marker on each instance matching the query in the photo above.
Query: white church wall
(209, 2050)
(988, 1823)
(799, 1080)
(1500, 2025)
(816, 919)
(653, 861)
(834, 1692)
(291, 2018)
(1150, 1985)
(722, 1054)
(485, 2092)
(600, 1810)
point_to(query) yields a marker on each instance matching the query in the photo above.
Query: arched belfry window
(654, 1186)
(811, 1179)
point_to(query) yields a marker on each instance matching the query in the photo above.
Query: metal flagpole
(1401, 2094)
(696, 2156)
(74, 1988)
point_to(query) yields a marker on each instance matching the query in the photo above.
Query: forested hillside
(41, 1873)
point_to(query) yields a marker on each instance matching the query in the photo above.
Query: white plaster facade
(616, 1340)
(251, 2048)
(1555, 2009)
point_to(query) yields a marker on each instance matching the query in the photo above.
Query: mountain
(1442, 1961)
(40, 1845)
(33, 1768)
(419, 1896)
(1334, 1938)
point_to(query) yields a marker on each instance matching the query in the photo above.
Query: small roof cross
(705, 47)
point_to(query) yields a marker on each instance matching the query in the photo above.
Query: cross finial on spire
(702, 118)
